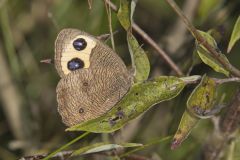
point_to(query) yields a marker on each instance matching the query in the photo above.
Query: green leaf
(235, 35)
(207, 58)
(133, 6)
(124, 14)
(195, 61)
(139, 99)
(139, 58)
(200, 104)
(187, 123)
(201, 101)
(140, 62)
(100, 147)
(195, 58)
(191, 79)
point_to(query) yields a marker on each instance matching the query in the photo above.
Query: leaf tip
(70, 129)
(229, 49)
(175, 143)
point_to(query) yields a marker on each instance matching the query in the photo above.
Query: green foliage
(27, 88)
(201, 101)
(200, 104)
(187, 123)
(235, 35)
(139, 58)
(124, 14)
(207, 58)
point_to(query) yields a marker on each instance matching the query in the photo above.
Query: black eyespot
(81, 110)
(75, 64)
(79, 44)
(85, 84)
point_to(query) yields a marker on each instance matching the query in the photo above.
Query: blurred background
(29, 122)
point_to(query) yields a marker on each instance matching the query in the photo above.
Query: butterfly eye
(79, 44)
(75, 64)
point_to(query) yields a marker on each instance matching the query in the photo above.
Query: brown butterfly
(93, 76)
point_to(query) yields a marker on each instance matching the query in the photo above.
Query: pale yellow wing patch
(69, 52)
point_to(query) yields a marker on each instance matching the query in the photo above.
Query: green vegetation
(184, 103)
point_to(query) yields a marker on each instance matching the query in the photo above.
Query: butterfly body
(93, 77)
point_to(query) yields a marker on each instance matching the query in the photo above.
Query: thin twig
(196, 78)
(109, 13)
(201, 40)
(154, 142)
(221, 81)
(60, 155)
(159, 50)
(178, 30)
(152, 43)
(66, 145)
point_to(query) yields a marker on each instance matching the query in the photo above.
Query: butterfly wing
(88, 92)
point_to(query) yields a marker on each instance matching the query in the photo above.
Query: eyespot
(79, 44)
(85, 84)
(81, 110)
(75, 64)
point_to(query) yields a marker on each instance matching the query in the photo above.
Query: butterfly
(93, 77)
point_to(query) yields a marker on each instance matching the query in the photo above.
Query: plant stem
(217, 54)
(221, 81)
(146, 145)
(66, 145)
(196, 78)
(159, 50)
(109, 13)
